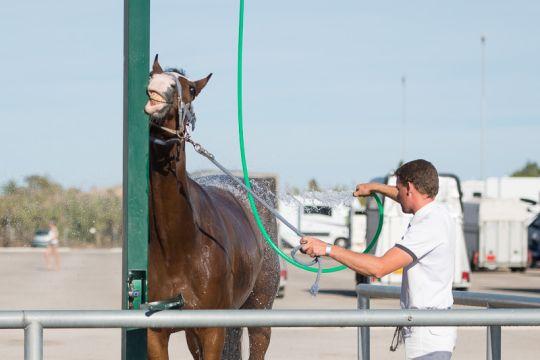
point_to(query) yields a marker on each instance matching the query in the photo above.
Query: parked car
(41, 238)
(534, 241)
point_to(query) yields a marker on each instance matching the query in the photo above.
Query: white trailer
(503, 234)
(313, 218)
(503, 188)
(396, 222)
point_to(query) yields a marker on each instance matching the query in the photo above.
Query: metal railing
(493, 303)
(35, 321)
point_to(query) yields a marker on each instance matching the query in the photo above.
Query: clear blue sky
(322, 85)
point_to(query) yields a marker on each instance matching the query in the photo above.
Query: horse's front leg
(212, 341)
(158, 344)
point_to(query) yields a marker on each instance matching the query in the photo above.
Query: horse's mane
(179, 71)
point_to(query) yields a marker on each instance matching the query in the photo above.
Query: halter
(186, 117)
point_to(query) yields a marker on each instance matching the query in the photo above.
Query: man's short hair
(422, 174)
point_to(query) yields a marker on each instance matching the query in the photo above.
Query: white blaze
(162, 85)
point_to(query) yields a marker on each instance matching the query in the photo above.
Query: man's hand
(313, 246)
(370, 188)
(363, 189)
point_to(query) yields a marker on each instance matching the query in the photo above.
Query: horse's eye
(192, 91)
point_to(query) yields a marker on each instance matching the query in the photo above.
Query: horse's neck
(171, 216)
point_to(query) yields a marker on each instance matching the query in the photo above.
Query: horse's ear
(156, 68)
(200, 84)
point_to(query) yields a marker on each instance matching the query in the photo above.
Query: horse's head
(165, 107)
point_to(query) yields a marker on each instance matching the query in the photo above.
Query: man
(425, 252)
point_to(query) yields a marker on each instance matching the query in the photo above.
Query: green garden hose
(246, 172)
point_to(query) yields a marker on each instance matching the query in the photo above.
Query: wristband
(328, 249)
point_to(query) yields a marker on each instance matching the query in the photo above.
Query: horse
(204, 243)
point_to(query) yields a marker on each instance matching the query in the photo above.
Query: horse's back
(248, 249)
(222, 186)
(265, 188)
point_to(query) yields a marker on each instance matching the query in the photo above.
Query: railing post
(363, 332)
(494, 342)
(33, 341)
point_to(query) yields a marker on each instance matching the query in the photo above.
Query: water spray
(252, 195)
(248, 185)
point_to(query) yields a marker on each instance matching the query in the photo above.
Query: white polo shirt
(427, 282)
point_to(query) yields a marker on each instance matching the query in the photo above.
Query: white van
(313, 218)
(396, 222)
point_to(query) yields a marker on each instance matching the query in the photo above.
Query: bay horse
(204, 243)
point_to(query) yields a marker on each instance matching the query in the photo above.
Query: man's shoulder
(437, 218)
(438, 211)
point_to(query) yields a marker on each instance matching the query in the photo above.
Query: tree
(293, 190)
(340, 188)
(313, 186)
(82, 217)
(531, 169)
(10, 187)
(41, 183)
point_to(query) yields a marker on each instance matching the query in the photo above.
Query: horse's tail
(232, 350)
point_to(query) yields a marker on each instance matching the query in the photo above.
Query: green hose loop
(246, 172)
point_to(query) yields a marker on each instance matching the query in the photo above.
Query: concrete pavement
(91, 279)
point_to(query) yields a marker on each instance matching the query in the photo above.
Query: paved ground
(91, 279)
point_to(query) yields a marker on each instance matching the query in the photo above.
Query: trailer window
(320, 210)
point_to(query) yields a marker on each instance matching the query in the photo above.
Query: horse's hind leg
(232, 349)
(259, 337)
(158, 344)
(259, 340)
(262, 297)
(194, 345)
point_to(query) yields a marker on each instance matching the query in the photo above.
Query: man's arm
(371, 265)
(365, 264)
(367, 189)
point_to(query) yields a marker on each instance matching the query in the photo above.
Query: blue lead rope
(314, 289)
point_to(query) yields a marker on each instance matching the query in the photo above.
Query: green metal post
(135, 174)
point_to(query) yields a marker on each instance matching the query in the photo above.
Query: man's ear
(200, 84)
(409, 186)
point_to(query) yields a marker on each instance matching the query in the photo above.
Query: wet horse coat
(204, 243)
